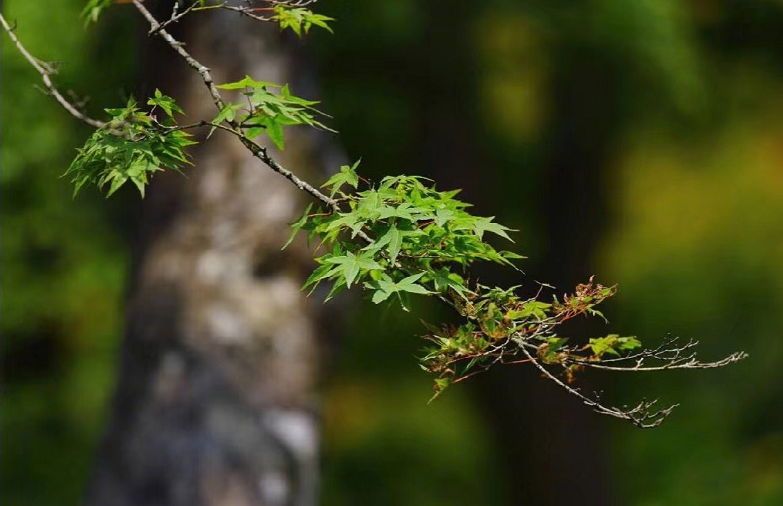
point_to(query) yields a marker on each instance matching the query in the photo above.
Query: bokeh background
(639, 141)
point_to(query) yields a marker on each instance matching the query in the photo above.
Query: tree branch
(158, 29)
(530, 339)
(640, 415)
(673, 357)
(46, 72)
(257, 150)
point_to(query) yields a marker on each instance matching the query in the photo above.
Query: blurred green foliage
(64, 262)
(694, 183)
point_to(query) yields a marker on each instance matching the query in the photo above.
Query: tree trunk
(216, 402)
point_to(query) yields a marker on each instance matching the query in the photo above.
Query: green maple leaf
(444, 279)
(352, 265)
(347, 175)
(391, 241)
(297, 225)
(482, 225)
(386, 287)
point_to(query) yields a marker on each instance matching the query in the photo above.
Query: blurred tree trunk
(216, 402)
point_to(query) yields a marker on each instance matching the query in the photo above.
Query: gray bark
(216, 402)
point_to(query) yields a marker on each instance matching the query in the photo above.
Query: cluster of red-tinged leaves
(499, 324)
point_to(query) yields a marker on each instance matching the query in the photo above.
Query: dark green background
(677, 105)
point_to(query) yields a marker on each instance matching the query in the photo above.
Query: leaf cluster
(131, 147)
(500, 324)
(403, 237)
(299, 19)
(267, 108)
(399, 237)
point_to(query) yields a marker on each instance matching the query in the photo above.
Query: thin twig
(689, 362)
(176, 15)
(203, 71)
(257, 150)
(46, 72)
(640, 415)
(245, 11)
(292, 3)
